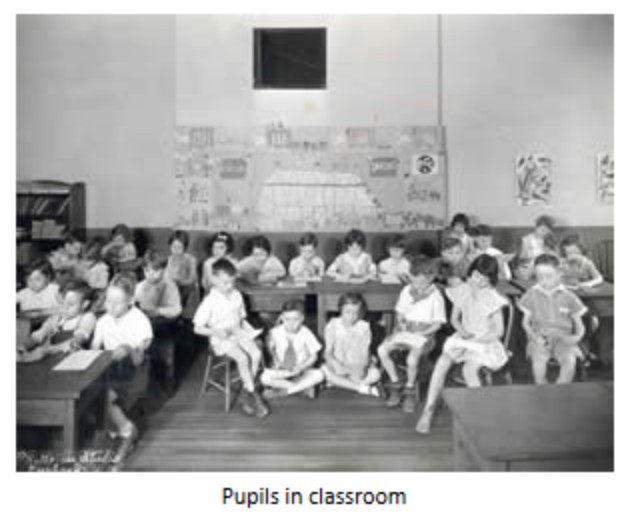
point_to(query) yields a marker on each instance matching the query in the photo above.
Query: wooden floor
(338, 431)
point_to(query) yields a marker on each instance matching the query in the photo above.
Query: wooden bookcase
(46, 211)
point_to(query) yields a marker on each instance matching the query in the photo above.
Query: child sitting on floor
(41, 292)
(70, 329)
(479, 324)
(294, 351)
(120, 251)
(222, 245)
(420, 311)
(221, 318)
(348, 363)
(355, 265)
(261, 267)
(454, 262)
(552, 320)
(308, 266)
(578, 271)
(395, 268)
(126, 332)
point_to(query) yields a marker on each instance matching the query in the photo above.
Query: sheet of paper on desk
(79, 360)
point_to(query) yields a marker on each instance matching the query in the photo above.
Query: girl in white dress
(479, 323)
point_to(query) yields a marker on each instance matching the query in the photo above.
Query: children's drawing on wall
(384, 166)
(424, 164)
(605, 178)
(533, 180)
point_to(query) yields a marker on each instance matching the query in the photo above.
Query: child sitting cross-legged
(552, 320)
(420, 312)
(348, 363)
(126, 332)
(294, 351)
(70, 329)
(221, 318)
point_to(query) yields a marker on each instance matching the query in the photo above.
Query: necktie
(289, 360)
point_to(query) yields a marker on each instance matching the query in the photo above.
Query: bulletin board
(276, 178)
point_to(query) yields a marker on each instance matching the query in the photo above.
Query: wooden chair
(603, 257)
(217, 365)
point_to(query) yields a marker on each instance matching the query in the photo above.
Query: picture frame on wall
(533, 179)
(605, 178)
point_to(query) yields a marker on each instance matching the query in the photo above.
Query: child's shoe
(409, 401)
(260, 406)
(246, 405)
(394, 395)
(310, 393)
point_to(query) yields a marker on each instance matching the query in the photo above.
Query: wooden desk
(533, 428)
(55, 398)
(379, 297)
(599, 299)
(270, 298)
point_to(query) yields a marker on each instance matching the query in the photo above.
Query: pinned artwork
(384, 166)
(533, 180)
(424, 164)
(605, 178)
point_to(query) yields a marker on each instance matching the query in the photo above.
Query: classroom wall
(98, 98)
(527, 84)
(95, 102)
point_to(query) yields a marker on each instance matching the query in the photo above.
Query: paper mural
(278, 178)
(533, 180)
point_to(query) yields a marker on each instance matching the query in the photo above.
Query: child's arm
(203, 330)
(596, 278)
(272, 271)
(306, 364)
(171, 306)
(455, 319)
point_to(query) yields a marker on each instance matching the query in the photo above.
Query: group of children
(295, 361)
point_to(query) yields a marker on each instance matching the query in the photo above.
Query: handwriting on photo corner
(266, 496)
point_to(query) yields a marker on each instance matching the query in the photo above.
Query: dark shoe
(128, 443)
(246, 404)
(260, 406)
(409, 402)
(394, 395)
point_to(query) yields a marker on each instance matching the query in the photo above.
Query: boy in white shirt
(221, 318)
(294, 351)
(308, 266)
(126, 332)
(420, 312)
(395, 268)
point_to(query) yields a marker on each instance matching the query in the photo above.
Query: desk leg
(321, 311)
(461, 461)
(70, 429)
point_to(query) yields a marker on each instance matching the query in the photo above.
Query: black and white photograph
(287, 243)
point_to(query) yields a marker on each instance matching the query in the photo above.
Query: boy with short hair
(294, 351)
(395, 268)
(455, 261)
(552, 319)
(483, 245)
(126, 332)
(420, 312)
(69, 329)
(221, 318)
(308, 266)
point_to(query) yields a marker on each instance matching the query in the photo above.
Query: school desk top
(603, 290)
(524, 423)
(39, 381)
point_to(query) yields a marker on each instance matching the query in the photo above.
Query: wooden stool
(216, 364)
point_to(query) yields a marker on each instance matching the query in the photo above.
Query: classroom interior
(115, 103)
